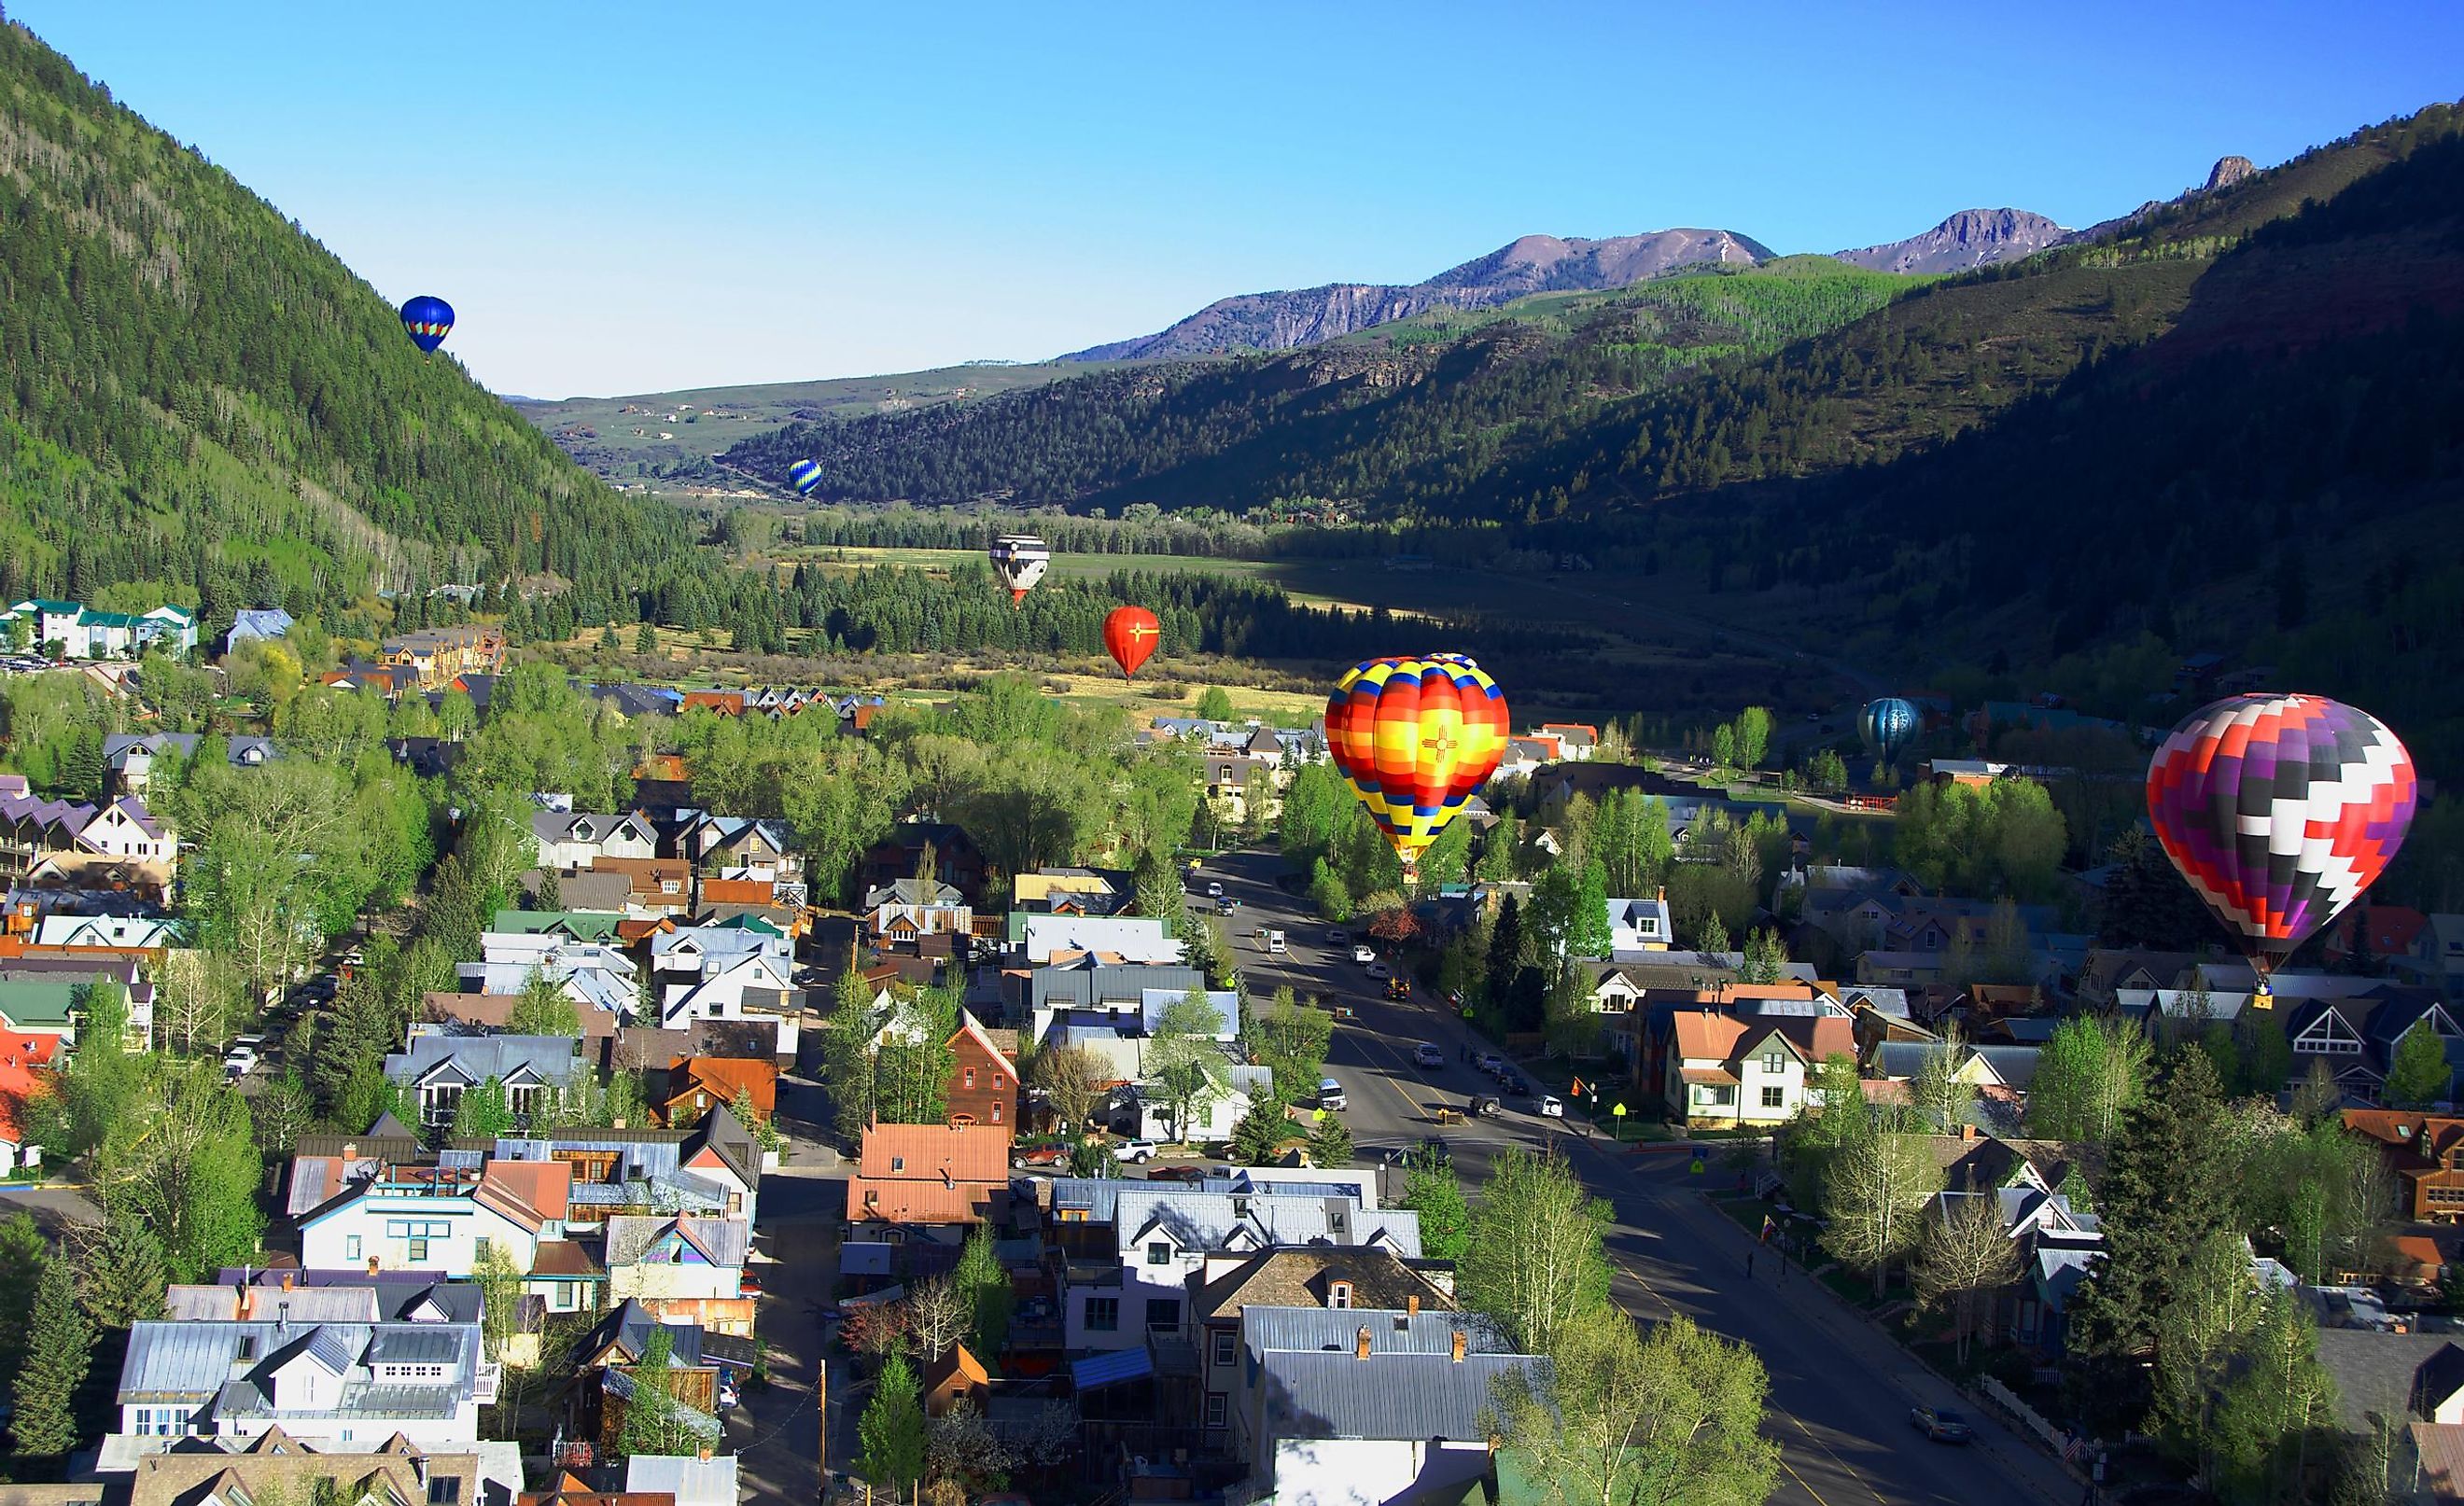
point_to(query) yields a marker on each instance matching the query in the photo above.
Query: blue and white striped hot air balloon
(1886, 725)
(805, 475)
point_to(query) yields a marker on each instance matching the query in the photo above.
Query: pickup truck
(1136, 1152)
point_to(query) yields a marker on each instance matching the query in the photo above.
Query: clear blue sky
(620, 197)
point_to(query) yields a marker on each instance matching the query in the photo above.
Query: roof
(496, 1012)
(725, 1079)
(976, 1153)
(1416, 1397)
(1197, 1220)
(1428, 1331)
(718, 1241)
(548, 1059)
(532, 1193)
(196, 1362)
(2440, 1449)
(1301, 1280)
(2377, 1373)
(1117, 1369)
(954, 1363)
(691, 1481)
(984, 1039)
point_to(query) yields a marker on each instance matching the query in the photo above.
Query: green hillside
(666, 442)
(1381, 418)
(203, 405)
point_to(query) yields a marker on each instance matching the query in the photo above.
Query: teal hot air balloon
(805, 475)
(1886, 725)
(426, 320)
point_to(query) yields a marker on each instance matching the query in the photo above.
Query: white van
(1329, 1094)
(1275, 943)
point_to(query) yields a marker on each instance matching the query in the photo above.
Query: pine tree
(985, 1284)
(1432, 1191)
(1329, 1143)
(24, 1255)
(59, 1348)
(890, 1436)
(122, 1274)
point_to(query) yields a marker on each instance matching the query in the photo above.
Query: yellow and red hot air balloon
(1415, 738)
(1132, 633)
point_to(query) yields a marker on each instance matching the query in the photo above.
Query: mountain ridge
(1289, 318)
(1962, 242)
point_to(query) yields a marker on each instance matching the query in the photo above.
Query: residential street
(776, 1430)
(1841, 1389)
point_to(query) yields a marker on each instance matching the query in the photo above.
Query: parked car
(1178, 1174)
(1551, 1106)
(1940, 1424)
(1136, 1152)
(1483, 1107)
(1045, 1156)
(1329, 1094)
(727, 1397)
(1338, 937)
(1213, 890)
(1425, 1054)
(1379, 970)
(239, 1062)
(1512, 1086)
(1364, 953)
(1491, 1062)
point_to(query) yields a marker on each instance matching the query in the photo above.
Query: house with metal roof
(683, 1268)
(252, 625)
(1362, 1426)
(579, 839)
(1242, 1333)
(435, 1219)
(333, 1383)
(437, 1068)
(703, 971)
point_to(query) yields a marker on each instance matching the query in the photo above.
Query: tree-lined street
(1840, 1390)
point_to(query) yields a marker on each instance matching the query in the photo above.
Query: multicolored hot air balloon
(1886, 725)
(1020, 561)
(2280, 809)
(1132, 633)
(426, 320)
(803, 475)
(1415, 737)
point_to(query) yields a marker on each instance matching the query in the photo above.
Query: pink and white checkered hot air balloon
(2280, 809)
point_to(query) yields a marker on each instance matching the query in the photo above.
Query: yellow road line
(1803, 1484)
(1844, 1465)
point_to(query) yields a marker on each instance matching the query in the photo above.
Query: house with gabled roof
(929, 1181)
(696, 1085)
(580, 839)
(741, 847)
(332, 1384)
(905, 908)
(1746, 1069)
(429, 1219)
(1366, 1425)
(683, 1267)
(983, 1085)
(437, 1069)
(274, 1465)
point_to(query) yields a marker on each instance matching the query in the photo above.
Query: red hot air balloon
(1132, 633)
(2280, 809)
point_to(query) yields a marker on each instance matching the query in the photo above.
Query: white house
(702, 972)
(912, 908)
(1162, 1234)
(1211, 1115)
(82, 632)
(663, 1260)
(1637, 926)
(590, 973)
(1364, 1425)
(437, 1068)
(577, 840)
(434, 1219)
(1134, 939)
(337, 1386)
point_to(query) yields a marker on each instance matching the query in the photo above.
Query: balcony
(484, 1383)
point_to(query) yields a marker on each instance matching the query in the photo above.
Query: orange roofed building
(699, 1085)
(1746, 1069)
(2426, 1152)
(935, 1181)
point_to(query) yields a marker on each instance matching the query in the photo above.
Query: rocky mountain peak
(2228, 171)
(1970, 238)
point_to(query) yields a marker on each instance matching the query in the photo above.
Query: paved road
(1839, 1391)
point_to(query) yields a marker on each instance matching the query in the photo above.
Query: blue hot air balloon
(426, 320)
(805, 475)
(1886, 725)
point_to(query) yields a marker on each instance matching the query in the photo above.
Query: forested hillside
(203, 405)
(1384, 417)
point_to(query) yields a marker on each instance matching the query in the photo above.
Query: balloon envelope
(1132, 633)
(1886, 725)
(1020, 561)
(2280, 809)
(426, 320)
(805, 475)
(1415, 738)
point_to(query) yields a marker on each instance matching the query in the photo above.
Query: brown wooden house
(983, 1087)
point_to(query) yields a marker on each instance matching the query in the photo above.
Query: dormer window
(1158, 1253)
(1338, 1294)
(1775, 1063)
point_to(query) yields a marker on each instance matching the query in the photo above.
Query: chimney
(1360, 1344)
(287, 1278)
(1463, 1344)
(350, 1153)
(617, 1123)
(247, 1303)
(1968, 1132)
(704, 1454)
(1412, 1304)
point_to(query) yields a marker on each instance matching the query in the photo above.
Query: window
(1158, 1253)
(998, 1083)
(350, 1247)
(997, 1111)
(971, 1077)
(1164, 1312)
(418, 1250)
(1338, 1295)
(480, 1248)
(1218, 1408)
(1775, 1063)
(1772, 1096)
(1227, 1346)
(1103, 1314)
(1723, 1095)
(444, 1491)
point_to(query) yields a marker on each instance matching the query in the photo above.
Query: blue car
(1940, 1424)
